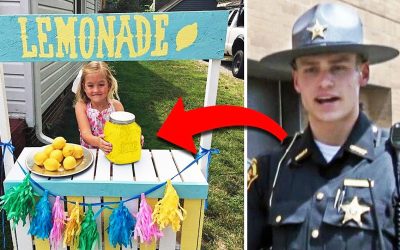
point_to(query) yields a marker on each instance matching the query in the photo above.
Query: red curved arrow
(181, 125)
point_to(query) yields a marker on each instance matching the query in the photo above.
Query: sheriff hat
(328, 28)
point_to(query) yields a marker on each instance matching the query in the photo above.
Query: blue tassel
(41, 222)
(121, 226)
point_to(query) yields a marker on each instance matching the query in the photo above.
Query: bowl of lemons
(59, 159)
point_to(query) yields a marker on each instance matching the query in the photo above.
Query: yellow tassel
(73, 227)
(168, 210)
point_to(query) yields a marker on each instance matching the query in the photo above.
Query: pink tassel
(58, 218)
(145, 229)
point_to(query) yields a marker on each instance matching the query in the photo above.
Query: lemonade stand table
(107, 182)
(117, 37)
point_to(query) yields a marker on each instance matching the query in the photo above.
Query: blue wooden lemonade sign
(113, 37)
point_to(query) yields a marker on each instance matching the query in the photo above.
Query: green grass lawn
(150, 90)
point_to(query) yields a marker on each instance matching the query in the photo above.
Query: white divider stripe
(98, 219)
(165, 165)
(144, 169)
(21, 238)
(24, 240)
(166, 168)
(122, 172)
(89, 175)
(125, 173)
(193, 173)
(168, 241)
(103, 168)
(13, 237)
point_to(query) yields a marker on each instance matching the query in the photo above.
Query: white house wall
(17, 76)
(55, 76)
(10, 6)
(55, 7)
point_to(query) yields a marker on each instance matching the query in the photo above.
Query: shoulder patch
(252, 173)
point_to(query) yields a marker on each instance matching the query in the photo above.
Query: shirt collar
(360, 143)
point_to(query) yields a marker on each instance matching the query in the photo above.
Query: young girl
(95, 101)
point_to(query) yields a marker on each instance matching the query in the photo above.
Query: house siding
(90, 7)
(55, 7)
(55, 76)
(19, 93)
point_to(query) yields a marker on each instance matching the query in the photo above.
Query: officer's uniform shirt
(306, 211)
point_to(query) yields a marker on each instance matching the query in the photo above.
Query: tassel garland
(19, 202)
(145, 229)
(73, 228)
(89, 234)
(58, 218)
(168, 210)
(41, 222)
(121, 226)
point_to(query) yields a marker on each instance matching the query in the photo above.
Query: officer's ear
(363, 74)
(295, 80)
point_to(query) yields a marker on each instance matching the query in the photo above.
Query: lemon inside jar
(125, 135)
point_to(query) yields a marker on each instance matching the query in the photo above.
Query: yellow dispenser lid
(122, 117)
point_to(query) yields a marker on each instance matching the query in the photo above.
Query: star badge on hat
(317, 30)
(353, 211)
(327, 28)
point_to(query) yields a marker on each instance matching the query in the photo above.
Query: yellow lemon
(39, 158)
(68, 150)
(69, 163)
(78, 152)
(51, 164)
(59, 142)
(57, 155)
(48, 150)
(186, 36)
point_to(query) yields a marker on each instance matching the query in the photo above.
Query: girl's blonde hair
(94, 67)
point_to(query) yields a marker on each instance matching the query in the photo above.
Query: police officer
(331, 187)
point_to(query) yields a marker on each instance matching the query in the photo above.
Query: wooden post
(209, 100)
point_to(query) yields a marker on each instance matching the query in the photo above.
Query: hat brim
(282, 61)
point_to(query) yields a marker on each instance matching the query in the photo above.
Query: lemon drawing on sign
(186, 36)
